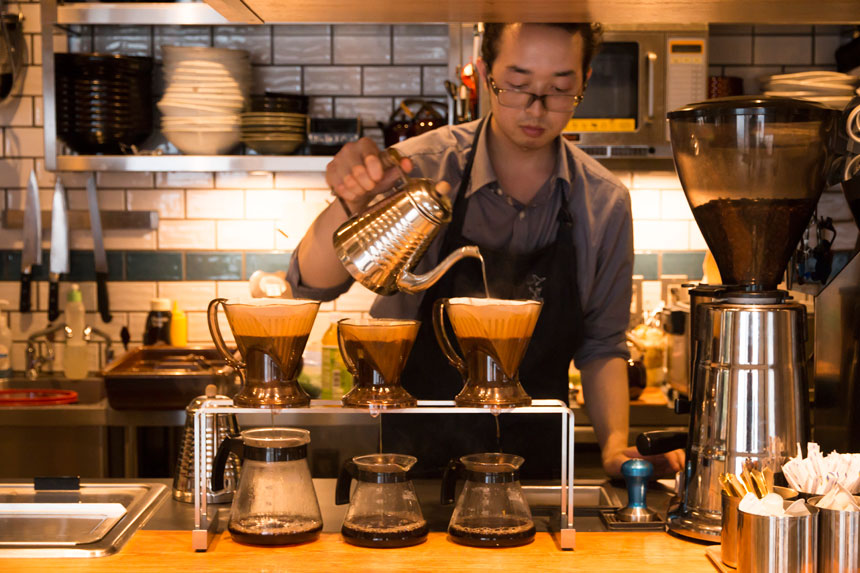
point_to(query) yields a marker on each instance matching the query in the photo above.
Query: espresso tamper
(636, 473)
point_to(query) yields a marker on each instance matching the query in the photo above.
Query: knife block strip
(80, 219)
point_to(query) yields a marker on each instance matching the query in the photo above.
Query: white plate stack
(206, 90)
(832, 89)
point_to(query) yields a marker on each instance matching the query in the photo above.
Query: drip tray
(94, 521)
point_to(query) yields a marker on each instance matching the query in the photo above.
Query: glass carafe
(493, 335)
(375, 351)
(492, 510)
(275, 502)
(383, 508)
(271, 335)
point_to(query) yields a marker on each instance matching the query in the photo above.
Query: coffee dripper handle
(344, 481)
(215, 332)
(346, 359)
(449, 481)
(230, 445)
(444, 342)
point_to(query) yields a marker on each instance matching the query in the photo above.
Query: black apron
(547, 274)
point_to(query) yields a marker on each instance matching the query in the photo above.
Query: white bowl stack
(205, 92)
(832, 89)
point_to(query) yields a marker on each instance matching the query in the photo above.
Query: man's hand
(356, 174)
(665, 465)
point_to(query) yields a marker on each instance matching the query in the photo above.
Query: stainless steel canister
(729, 532)
(784, 544)
(218, 427)
(838, 539)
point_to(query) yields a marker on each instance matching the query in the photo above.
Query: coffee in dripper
(493, 335)
(375, 352)
(271, 335)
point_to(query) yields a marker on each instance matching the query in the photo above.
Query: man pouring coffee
(551, 223)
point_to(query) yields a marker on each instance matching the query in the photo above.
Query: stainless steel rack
(204, 527)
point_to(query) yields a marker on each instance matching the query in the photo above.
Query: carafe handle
(344, 481)
(439, 308)
(449, 481)
(346, 359)
(230, 445)
(215, 332)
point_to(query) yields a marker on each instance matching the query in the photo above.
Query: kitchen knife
(59, 249)
(31, 253)
(99, 254)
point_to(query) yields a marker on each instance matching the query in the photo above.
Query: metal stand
(203, 533)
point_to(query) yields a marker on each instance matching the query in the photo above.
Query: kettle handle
(215, 332)
(344, 480)
(439, 308)
(347, 361)
(230, 445)
(449, 481)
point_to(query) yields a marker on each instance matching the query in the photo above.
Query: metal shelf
(197, 163)
(140, 14)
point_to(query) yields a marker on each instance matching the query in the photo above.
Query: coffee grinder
(752, 170)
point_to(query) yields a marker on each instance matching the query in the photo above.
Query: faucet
(36, 360)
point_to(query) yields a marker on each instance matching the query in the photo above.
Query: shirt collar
(483, 173)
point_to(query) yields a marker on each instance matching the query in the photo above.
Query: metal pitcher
(380, 246)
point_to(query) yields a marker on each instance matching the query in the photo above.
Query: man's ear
(588, 74)
(483, 72)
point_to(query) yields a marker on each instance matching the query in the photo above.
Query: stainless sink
(140, 501)
(90, 390)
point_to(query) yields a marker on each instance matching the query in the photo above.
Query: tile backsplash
(215, 229)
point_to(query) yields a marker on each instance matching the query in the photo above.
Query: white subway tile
(368, 109)
(295, 223)
(256, 40)
(190, 295)
(232, 289)
(421, 49)
(24, 142)
(124, 180)
(332, 80)
(835, 206)
(353, 46)
(645, 204)
(320, 107)
(312, 196)
(285, 79)
(186, 234)
(783, 50)
(198, 328)
(16, 198)
(626, 177)
(17, 111)
(130, 239)
(356, 299)
(303, 49)
(38, 111)
(655, 180)
(312, 180)
(88, 294)
(111, 328)
(697, 241)
(221, 204)
(392, 80)
(323, 320)
(270, 204)
(245, 235)
(125, 40)
(14, 172)
(32, 82)
(180, 36)
(652, 295)
(112, 200)
(170, 204)
(730, 50)
(70, 179)
(131, 296)
(846, 236)
(661, 235)
(137, 324)
(291, 30)
(433, 80)
(19, 356)
(825, 49)
(81, 240)
(10, 291)
(32, 17)
(23, 324)
(243, 180)
(751, 76)
(674, 205)
(185, 180)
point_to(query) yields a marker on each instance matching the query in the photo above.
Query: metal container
(730, 532)
(838, 539)
(778, 544)
(218, 427)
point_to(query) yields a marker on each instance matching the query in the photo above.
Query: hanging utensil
(31, 254)
(98, 251)
(59, 248)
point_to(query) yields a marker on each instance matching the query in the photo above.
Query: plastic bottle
(5, 344)
(336, 379)
(157, 322)
(178, 326)
(75, 358)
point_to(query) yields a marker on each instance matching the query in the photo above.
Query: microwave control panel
(686, 73)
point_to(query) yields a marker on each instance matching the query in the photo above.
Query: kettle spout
(412, 283)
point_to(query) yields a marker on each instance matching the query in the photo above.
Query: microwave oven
(638, 76)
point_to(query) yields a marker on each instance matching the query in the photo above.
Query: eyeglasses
(523, 100)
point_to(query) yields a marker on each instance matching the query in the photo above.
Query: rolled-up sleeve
(606, 310)
(300, 290)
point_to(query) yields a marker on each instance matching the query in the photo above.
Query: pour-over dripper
(752, 170)
(493, 335)
(375, 351)
(271, 335)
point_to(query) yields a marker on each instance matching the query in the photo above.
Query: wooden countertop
(596, 552)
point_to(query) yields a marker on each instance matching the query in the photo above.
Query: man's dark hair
(592, 37)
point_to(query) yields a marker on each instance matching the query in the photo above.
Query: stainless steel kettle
(380, 246)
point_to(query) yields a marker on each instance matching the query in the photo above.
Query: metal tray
(44, 524)
(165, 377)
